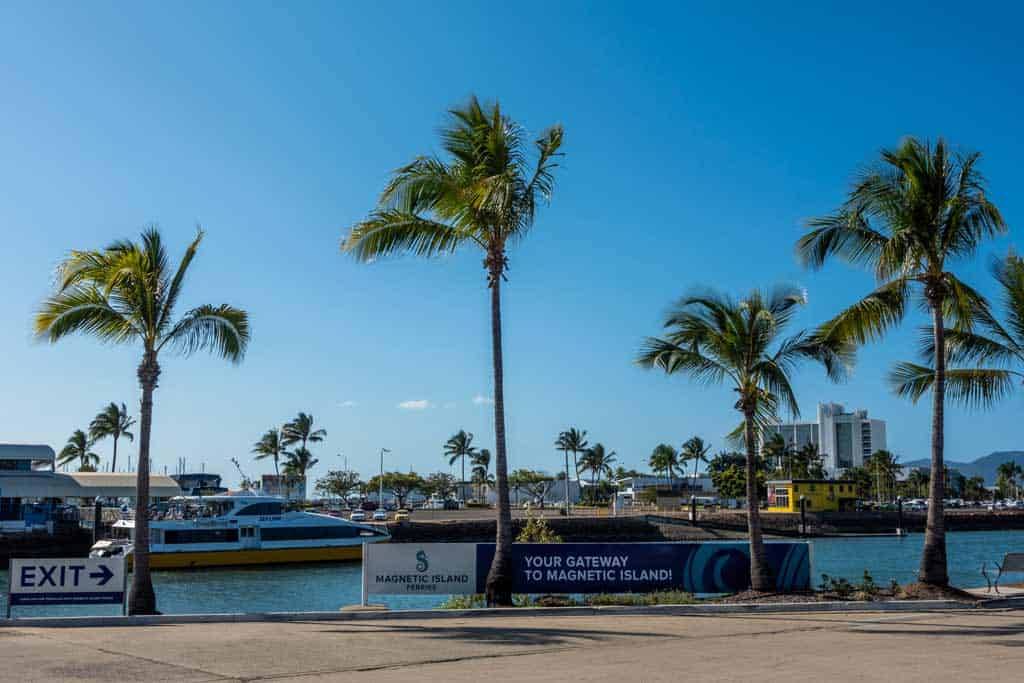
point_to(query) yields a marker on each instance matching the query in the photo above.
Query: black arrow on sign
(104, 575)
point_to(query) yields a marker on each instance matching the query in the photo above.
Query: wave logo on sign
(421, 562)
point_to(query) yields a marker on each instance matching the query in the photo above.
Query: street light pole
(380, 493)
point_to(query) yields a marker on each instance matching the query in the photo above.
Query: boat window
(307, 533)
(260, 509)
(173, 536)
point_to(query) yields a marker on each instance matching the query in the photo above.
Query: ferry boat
(210, 531)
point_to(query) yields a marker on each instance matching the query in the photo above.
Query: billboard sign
(461, 568)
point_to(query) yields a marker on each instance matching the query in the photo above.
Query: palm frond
(845, 234)
(664, 355)
(82, 308)
(1009, 273)
(971, 387)
(869, 318)
(223, 330)
(390, 231)
(175, 285)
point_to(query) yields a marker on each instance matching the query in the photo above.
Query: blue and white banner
(461, 568)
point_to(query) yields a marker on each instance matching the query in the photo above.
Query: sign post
(365, 601)
(75, 581)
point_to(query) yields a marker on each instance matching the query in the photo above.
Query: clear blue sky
(697, 140)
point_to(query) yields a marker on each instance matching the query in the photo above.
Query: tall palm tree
(906, 219)
(665, 459)
(598, 461)
(696, 450)
(270, 445)
(459, 447)
(77, 448)
(716, 339)
(112, 421)
(127, 293)
(300, 431)
(573, 441)
(484, 194)
(481, 462)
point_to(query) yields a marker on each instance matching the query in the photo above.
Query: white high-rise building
(843, 439)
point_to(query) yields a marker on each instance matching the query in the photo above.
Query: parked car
(401, 515)
(358, 516)
(380, 515)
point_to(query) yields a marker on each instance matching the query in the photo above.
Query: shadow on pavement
(506, 636)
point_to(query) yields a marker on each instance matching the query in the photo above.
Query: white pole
(366, 577)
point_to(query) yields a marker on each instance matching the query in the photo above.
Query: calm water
(326, 587)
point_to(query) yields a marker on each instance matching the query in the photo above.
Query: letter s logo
(421, 562)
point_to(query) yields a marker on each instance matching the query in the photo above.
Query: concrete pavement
(966, 645)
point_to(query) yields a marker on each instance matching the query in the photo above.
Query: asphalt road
(968, 645)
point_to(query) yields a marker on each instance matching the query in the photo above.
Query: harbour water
(326, 587)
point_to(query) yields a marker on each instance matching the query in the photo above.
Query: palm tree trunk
(760, 579)
(113, 463)
(566, 453)
(933, 557)
(142, 599)
(498, 588)
(463, 483)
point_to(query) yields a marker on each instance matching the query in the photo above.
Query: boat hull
(238, 558)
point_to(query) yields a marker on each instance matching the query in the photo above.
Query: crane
(247, 483)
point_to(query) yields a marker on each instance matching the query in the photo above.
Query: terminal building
(31, 491)
(844, 439)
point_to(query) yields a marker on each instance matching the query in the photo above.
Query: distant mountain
(984, 467)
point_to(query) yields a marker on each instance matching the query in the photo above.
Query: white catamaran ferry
(226, 530)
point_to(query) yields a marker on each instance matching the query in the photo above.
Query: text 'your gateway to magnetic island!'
(589, 568)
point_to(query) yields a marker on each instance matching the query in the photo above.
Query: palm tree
(664, 459)
(716, 339)
(885, 467)
(460, 446)
(696, 450)
(127, 292)
(906, 219)
(112, 421)
(270, 445)
(481, 462)
(300, 430)
(775, 452)
(486, 195)
(598, 462)
(573, 441)
(1008, 473)
(77, 448)
(918, 480)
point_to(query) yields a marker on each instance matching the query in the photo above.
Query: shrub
(537, 531)
(640, 599)
(463, 602)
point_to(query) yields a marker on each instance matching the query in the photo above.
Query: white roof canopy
(82, 485)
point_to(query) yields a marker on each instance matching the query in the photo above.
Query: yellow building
(821, 495)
